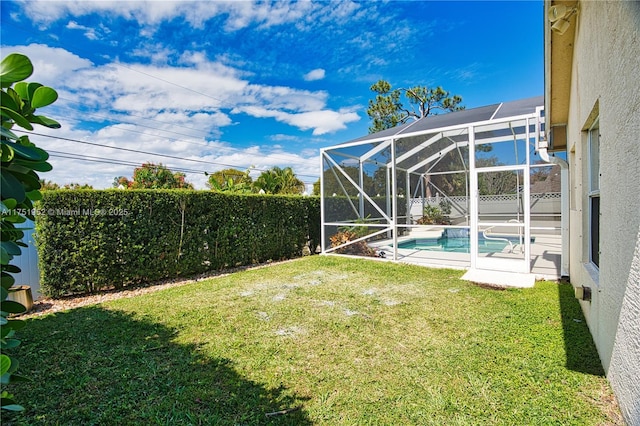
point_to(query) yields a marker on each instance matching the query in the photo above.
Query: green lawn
(336, 341)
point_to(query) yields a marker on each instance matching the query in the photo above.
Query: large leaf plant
(21, 160)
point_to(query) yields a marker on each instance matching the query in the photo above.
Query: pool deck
(545, 256)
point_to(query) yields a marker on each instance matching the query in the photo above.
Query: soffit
(558, 66)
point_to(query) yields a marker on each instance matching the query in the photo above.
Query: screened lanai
(417, 193)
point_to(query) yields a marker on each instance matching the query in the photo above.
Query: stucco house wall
(605, 85)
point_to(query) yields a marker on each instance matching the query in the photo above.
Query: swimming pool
(459, 242)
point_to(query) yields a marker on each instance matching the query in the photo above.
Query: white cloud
(470, 73)
(245, 13)
(153, 12)
(285, 98)
(317, 74)
(157, 53)
(209, 156)
(237, 14)
(174, 111)
(89, 33)
(325, 121)
(284, 138)
(207, 89)
(322, 121)
(51, 64)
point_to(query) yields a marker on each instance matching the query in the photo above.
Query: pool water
(458, 244)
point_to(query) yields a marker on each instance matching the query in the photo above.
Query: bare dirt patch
(48, 305)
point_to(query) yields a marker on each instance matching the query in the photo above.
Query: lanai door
(500, 226)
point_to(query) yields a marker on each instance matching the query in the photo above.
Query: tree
(122, 182)
(21, 159)
(268, 182)
(392, 107)
(290, 184)
(47, 185)
(75, 186)
(279, 181)
(153, 176)
(230, 180)
(333, 185)
(496, 183)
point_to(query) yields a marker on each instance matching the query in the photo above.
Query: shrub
(92, 240)
(359, 248)
(21, 159)
(433, 215)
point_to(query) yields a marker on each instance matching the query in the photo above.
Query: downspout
(543, 145)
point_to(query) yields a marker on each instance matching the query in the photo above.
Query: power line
(93, 158)
(130, 150)
(151, 76)
(118, 64)
(142, 152)
(145, 133)
(132, 115)
(112, 120)
(96, 159)
(227, 148)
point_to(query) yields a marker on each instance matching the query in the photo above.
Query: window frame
(593, 193)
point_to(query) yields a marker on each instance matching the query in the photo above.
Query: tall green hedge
(91, 240)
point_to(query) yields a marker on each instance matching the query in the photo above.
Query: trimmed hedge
(92, 240)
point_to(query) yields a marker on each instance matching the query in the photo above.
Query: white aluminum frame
(531, 120)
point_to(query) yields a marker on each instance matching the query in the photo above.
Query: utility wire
(131, 150)
(204, 132)
(119, 162)
(119, 121)
(138, 151)
(107, 118)
(141, 152)
(95, 159)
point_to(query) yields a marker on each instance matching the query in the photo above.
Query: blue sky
(211, 84)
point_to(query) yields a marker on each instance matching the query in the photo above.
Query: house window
(594, 193)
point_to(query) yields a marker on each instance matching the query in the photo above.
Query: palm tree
(290, 182)
(279, 181)
(267, 182)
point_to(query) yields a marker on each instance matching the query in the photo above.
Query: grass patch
(332, 340)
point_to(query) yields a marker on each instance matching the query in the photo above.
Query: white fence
(545, 208)
(28, 261)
